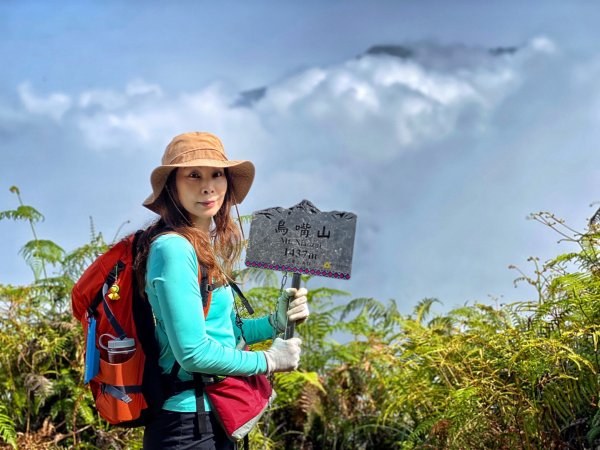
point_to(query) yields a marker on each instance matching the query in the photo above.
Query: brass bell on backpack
(113, 292)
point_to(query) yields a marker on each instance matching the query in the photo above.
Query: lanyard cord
(238, 319)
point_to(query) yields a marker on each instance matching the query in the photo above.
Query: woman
(193, 192)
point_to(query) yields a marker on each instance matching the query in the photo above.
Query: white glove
(283, 356)
(296, 312)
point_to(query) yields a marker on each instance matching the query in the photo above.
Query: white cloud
(284, 94)
(103, 98)
(416, 146)
(407, 102)
(140, 87)
(54, 105)
(543, 44)
(111, 100)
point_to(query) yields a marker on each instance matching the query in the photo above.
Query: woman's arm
(255, 330)
(292, 305)
(173, 271)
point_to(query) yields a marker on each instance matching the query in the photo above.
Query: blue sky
(442, 153)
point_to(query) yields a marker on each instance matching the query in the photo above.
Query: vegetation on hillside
(518, 376)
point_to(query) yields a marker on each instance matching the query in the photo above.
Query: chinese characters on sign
(303, 229)
(281, 228)
(302, 239)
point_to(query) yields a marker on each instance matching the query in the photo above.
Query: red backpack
(106, 300)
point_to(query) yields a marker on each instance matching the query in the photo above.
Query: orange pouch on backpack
(120, 398)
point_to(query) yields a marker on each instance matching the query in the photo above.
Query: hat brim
(241, 175)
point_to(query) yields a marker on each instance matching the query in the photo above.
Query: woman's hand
(283, 356)
(292, 306)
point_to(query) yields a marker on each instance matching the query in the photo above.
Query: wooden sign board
(302, 240)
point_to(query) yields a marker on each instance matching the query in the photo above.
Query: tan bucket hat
(200, 149)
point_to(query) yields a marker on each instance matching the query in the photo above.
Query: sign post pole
(289, 330)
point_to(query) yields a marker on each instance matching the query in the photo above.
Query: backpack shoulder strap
(206, 288)
(242, 297)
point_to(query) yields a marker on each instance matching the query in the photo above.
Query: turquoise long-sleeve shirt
(198, 344)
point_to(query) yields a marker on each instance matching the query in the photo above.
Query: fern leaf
(423, 308)
(42, 249)
(23, 212)
(8, 433)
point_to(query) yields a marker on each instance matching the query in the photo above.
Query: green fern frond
(42, 249)
(38, 252)
(76, 261)
(423, 308)
(326, 293)
(23, 212)
(257, 277)
(363, 304)
(246, 219)
(8, 433)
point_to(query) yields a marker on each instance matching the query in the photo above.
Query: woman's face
(201, 192)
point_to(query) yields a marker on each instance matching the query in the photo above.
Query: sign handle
(289, 330)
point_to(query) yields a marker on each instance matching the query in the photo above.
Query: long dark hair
(217, 250)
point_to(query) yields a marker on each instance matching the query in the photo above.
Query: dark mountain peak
(399, 51)
(498, 51)
(247, 99)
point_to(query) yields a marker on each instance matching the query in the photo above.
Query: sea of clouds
(441, 151)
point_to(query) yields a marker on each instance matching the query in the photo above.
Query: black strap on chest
(242, 297)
